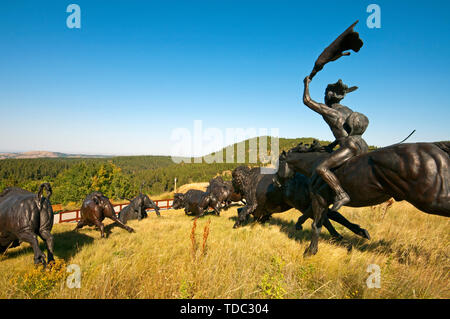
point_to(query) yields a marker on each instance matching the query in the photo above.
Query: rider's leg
(336, 159)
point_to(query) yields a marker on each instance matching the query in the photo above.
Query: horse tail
(410, 134)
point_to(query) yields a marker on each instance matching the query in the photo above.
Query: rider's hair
(335, 92)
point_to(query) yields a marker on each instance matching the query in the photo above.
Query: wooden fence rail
(74, 215)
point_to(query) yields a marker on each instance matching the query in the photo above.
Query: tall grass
(255, 261)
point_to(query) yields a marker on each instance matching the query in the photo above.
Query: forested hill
(117, 177)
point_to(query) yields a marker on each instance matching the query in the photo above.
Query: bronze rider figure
(347, 127)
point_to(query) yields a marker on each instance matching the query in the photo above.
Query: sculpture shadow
(352, 242)
(304, 235)
(67, 244)
(212, 213)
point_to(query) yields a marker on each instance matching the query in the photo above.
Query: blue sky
(137, 70)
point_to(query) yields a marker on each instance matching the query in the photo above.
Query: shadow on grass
(304, 235)
(213, 213)
(66, 245)
(233, 205)
(353, 242)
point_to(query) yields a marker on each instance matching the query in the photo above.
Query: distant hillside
(45, 154)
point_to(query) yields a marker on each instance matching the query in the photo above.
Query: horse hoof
(365, 234)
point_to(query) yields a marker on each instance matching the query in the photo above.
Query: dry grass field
(168, 258)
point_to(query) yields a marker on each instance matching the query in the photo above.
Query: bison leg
(80, 225)
(122, 225)
(48, 238)
(264, 219)
(244, 214)
(201, 212)
(29, 237)
(101, 227)
(217, 209)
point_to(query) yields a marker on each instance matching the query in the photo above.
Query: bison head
(240, 175)
(147, 203)
(178, 201)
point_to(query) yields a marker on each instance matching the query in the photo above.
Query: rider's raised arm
(313, 105)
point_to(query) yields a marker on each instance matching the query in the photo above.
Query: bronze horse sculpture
(352, 176)
(415, 172)
(264, 198)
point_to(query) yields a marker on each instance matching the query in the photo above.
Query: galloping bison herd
(24, 215)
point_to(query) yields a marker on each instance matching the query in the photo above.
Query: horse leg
(333, 232)
(318, 210)
(355, 228)
(301, 220)
(326, 222)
